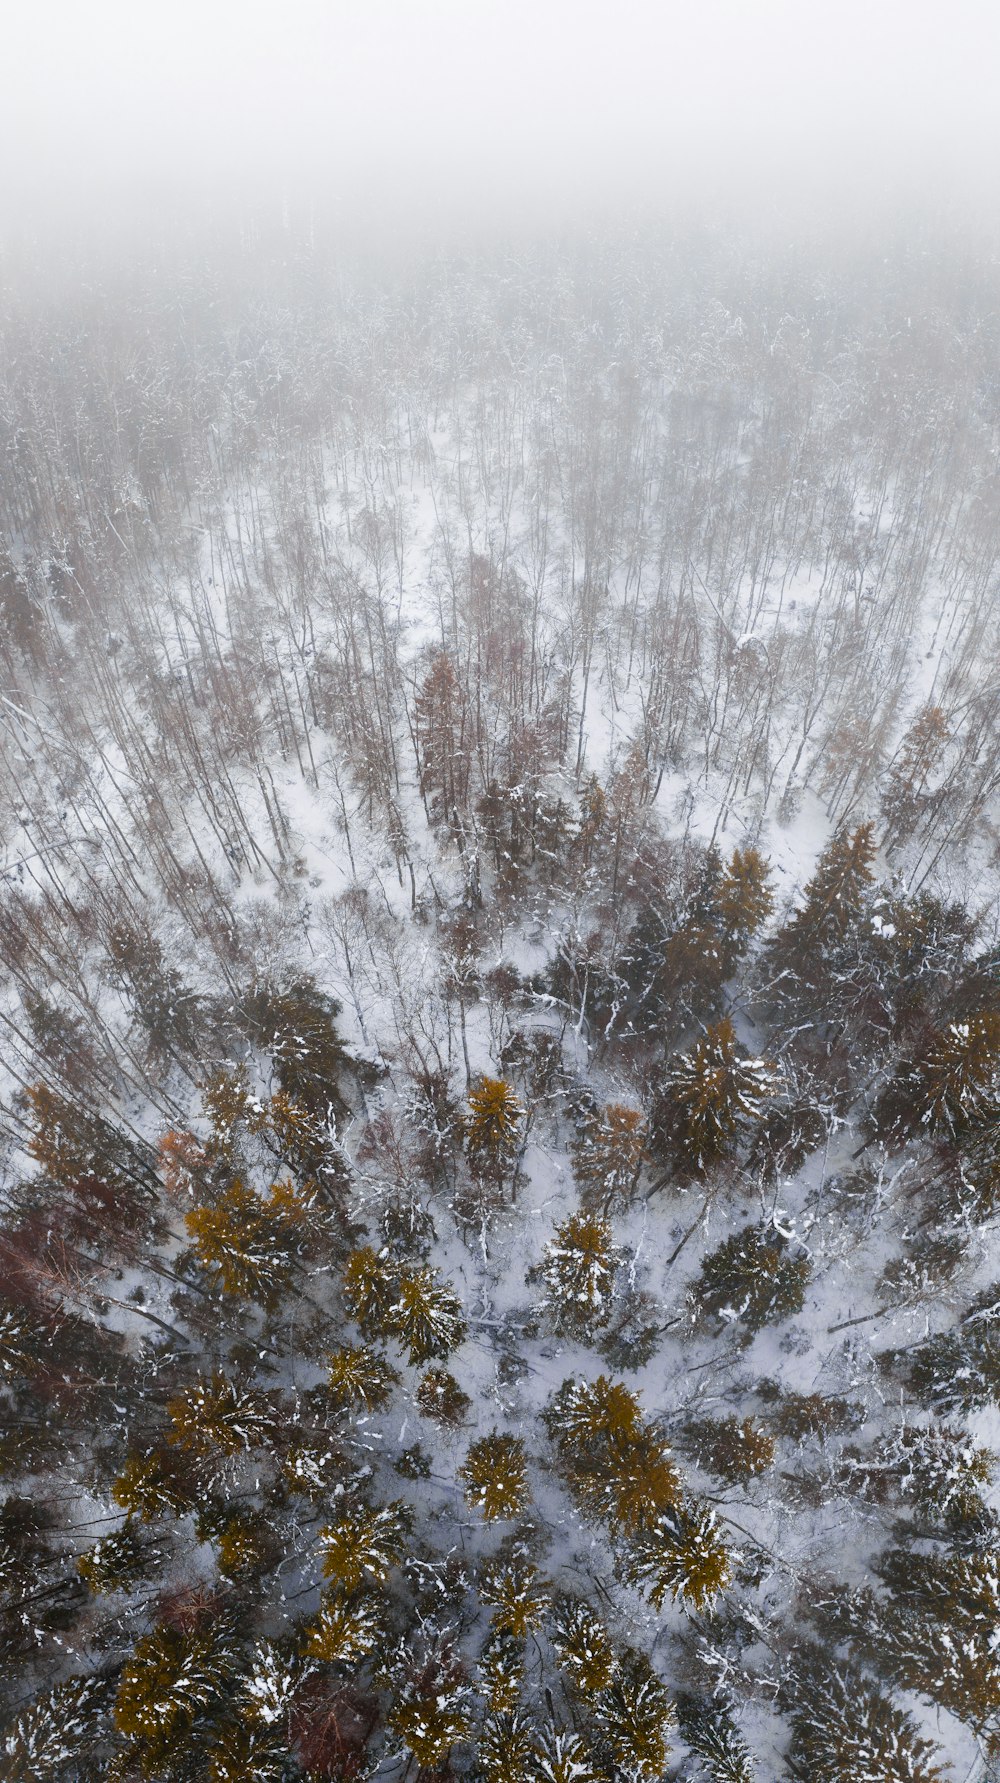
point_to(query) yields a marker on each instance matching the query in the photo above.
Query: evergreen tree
(55, 1733)
(617, 1465)
(507, 1747)
(710, 1096)
(847, 1731)
(513, 1586)
(583, 1648)
(247, 1246)
(905, 796)
(363, 1544)
(798, 961)
(214, 1413)
(953, 1088)
(432, 1712)
(937, 1635)
(707, 1727)
(578, 1272)
(682, 1556)
(752, 1277)
(440, 1397)
(425, 1316)
(493, 1125)
(370, 1284)
(735, 1449)
(608, 1157)
(564, 1757)
(168, 1682)
(359, 1376)
(634, 1715)
(344, 1631)
(741, 903)
(496, 1476)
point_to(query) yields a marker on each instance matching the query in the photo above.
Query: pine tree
(213, 1413)
(166, 1684)
(359, 1376)
(578, 1271)
(634, 1715)
(117, 1561)
(707, 1726)
(493, 1125)
(954, 1087)
(734, 1449)
(710, 1096)
(514, 1588)
(425, 1316)
(507, 1747)
(752, 1277)
(937, 1636)
(269, 1684)
(583, 1648)
(157, 1484)
(57, 1729)
(364, 1543)
(441, 719)
(440, 1397)
(496, 1476)
(344, 1631)
(682, 1556)
(433, 1710)
(905, 796)
(248, 1246)
(501, 1670)
(741, 903)
(798, 960)
(608, 1157)
(370, 1285)
(564, 1757)
(617, 1465)
(847, 1731)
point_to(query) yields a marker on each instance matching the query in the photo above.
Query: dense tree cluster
(500, 1001)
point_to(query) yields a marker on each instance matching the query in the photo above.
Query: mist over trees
(500, 1068)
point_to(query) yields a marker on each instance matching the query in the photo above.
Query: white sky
(498, 102)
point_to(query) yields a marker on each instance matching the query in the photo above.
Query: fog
(476, 109)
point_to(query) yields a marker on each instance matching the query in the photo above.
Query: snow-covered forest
(500, 1013)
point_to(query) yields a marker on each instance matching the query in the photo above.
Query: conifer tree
(493, 1125)
(953, 1088)
(344, 1630)
(710, 1097)
(583, 1648)
(513, 1586)
(248, 1246)
(496, 1476)
(440, 1397)
(937, 1636)
(752, 1277)
(358, 1376)
(370, 1284)
(706, 1724)
(168, 1682)
(741, 903)
(905, 795)
(608, 1157)
(432, 1712)
(56, 1730)
(634, 1715)
(501, 1670)
(564, 1757)
(363, 1544)
(578, 1271)
(682, 1555)
(425, 1316)
(507, 1748)
(798, 960)
(847, 1731)
(214, 1413)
